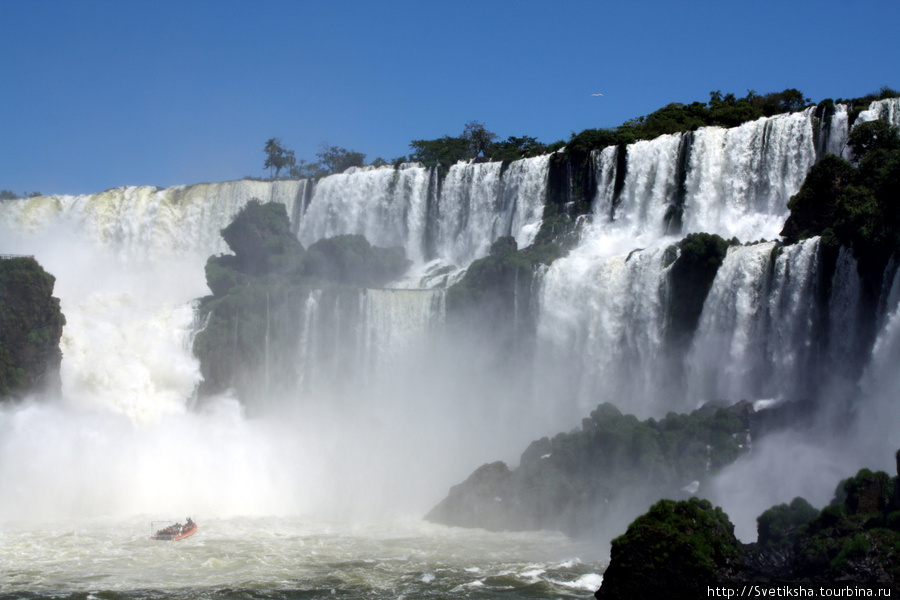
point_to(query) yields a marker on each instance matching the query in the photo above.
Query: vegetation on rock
(493, 298)
(11, 195)
(854, 205)
(671, 552)
(699, 256)
(678, 548)
(277, 157)
(259, 294)
(571, 481)
(778, 526)
(337, 160)
(31, 326)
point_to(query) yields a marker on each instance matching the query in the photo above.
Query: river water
(290, 558)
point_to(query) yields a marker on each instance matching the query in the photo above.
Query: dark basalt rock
(31, 326)
(613, 465)
(677, 549)
(251, 336)
(483, 500)
(669, 550)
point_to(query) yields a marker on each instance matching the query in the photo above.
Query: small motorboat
(174, 531)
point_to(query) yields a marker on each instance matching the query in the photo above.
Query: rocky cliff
(677, 549)
(31, 326)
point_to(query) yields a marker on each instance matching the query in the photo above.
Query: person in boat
(189, 523)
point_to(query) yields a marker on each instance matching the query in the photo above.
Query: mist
(411, 408)
(128, 435)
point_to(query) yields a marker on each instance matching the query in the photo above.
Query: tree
(338, 160)
(479, 138)
(305, 170)
(515, 148)
(873, 135)
(277, 156)
(446, 151)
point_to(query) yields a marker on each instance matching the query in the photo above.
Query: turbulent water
(321, 494)
(288, 558)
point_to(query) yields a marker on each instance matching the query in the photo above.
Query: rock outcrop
(612, 468)
(677, 549)
(31, 325)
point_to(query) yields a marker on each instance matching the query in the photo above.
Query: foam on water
(273, 558)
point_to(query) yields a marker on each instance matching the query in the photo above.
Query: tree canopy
(277, 157)
(476, 142)
(479, 138)
(338, 160)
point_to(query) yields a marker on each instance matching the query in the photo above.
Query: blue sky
(97, 94)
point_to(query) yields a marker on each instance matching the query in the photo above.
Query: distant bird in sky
(596, 94)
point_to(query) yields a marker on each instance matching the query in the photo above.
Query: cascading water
(130, 260)
(834, 132)
(385, 205)
(151, 223)
(739, 180)
(396, 322)
(733, 182)
(522, 195)
(651, 184)
(475, 205)
(764, 330)
(122, 446)
(384, 403)
(756, 336)
(601, 332)
(884, 110)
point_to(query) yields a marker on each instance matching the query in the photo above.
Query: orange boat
(174, 532)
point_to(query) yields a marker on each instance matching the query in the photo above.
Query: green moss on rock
(251, 333)
(677, 549)
(699, 257)
(571, 481)
(31, 326)
(671, 552)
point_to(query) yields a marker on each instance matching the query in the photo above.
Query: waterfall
(651, 185)
(605, 167)
(756, 337)
(762, 332)
(845, 347)
(739, 180)
(884, 110)
(397, 322)
(146, 222)
(476, 204)
(522, 197)
(309, 337)
(386, 205)
(837, 130)
(467, 212)
(601, 328)
(776, 323)
(735, 182)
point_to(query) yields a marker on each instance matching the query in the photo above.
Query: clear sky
(99, 94)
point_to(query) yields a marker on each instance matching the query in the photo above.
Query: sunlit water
(290, 558)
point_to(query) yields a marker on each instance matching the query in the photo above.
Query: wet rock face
(676, 548)
(670, 550)
(31, 326)
(483, 500)
(583, 481)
